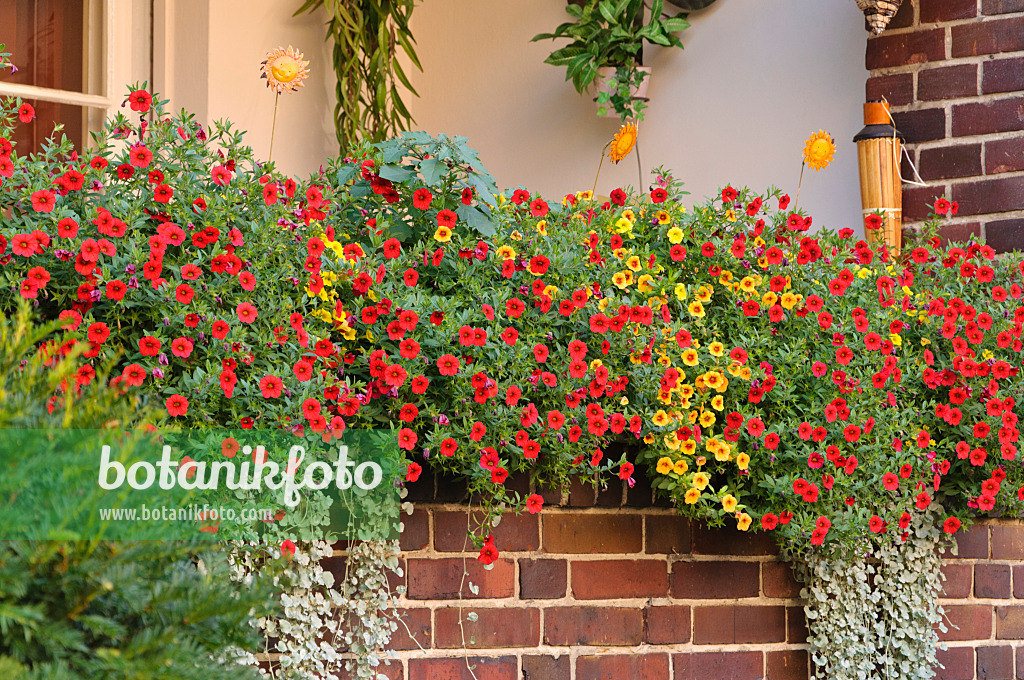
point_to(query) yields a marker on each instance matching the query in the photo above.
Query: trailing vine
(872, 607)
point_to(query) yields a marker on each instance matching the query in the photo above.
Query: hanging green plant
(368, 36)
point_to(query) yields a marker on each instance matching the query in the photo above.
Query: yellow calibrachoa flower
(622, 225)
(662, 217)
(692, 496)
(743, 521)
(661, 419)
(680, 291)
(506, 252)
(621, 280)
(443, 234)
(896, 340)
(729, 503)
(743, 461)
(664, 465)
(730, 215)
(686, 391)
(515, 235)
(672, 441)
(716, 348)
(629, 215)
(633, 262)
(619, 253)
(542, 227)
(675, 235)
(718, 402)
(789, 300)
(707, 419)
(704, 293)
(688, 447)
(680, 467)
(769, 298)
(701, 480)
(747, 284)
(696, 309)
(690, 357)
(645, 284)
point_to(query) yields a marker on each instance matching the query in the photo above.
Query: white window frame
(120, 35)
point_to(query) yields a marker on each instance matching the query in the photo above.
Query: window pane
(54, 43)
(77, 120)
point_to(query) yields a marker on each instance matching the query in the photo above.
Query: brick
(903, 49)
(958, 583)
(988, 37)
(667, 625)
(704, 665)
(416, 531)
(1020, 663)
(457, 668)
(992, 580)
(542, 579)
(728, 541)
(1002, 75)
(991, 7)
(980, 118)
(418, 622)
(611, 494)
(995, 663)
(918, 202)
(943, 162)
(581, 494)
(439, 579)
(514, 532)
(713, 580)
(923, 125)
(1010, 622)
(972, 544)
(1004, 155)
(1008, 542)
(618, 666)
(897, 89)
(608, 579)
(777, 580)
(494, 628)
(904, 16)
(1018, 581)
(989, 196)
(796, 625)
(543, 667)
(592, 533)
(933, 11)
(613, 626)
(947, 82)
(967, 622)
(550, 496)
(957, 662)
(1005, 235)
(790, 664)
(959, 233)
(391, 671)
(738, 624)
(450, 489)
(667, 534)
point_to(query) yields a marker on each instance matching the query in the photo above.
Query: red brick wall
(585, 591)
(954, 72)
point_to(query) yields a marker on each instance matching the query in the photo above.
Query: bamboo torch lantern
(879, 146)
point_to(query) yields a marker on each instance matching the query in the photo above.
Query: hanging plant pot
(607, 84)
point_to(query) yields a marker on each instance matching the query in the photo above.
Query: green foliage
(368, 36)
(611, 33)
(99, 609)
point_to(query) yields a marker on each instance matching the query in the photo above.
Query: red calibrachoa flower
(177, 405)
(271, 386)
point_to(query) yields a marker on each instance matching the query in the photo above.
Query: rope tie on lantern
(903, 152)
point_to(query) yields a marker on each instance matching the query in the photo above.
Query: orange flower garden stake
(284, 71)
(622, 143)
(818, 152)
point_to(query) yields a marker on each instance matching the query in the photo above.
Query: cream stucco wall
(207, 60)
(755, 79)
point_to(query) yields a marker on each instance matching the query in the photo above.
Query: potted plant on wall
(606, 49)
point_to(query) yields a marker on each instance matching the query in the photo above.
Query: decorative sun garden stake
(284, 71)
(818, 152)
(620, 146)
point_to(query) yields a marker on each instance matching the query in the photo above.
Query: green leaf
(432, 170)
(476, 219)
